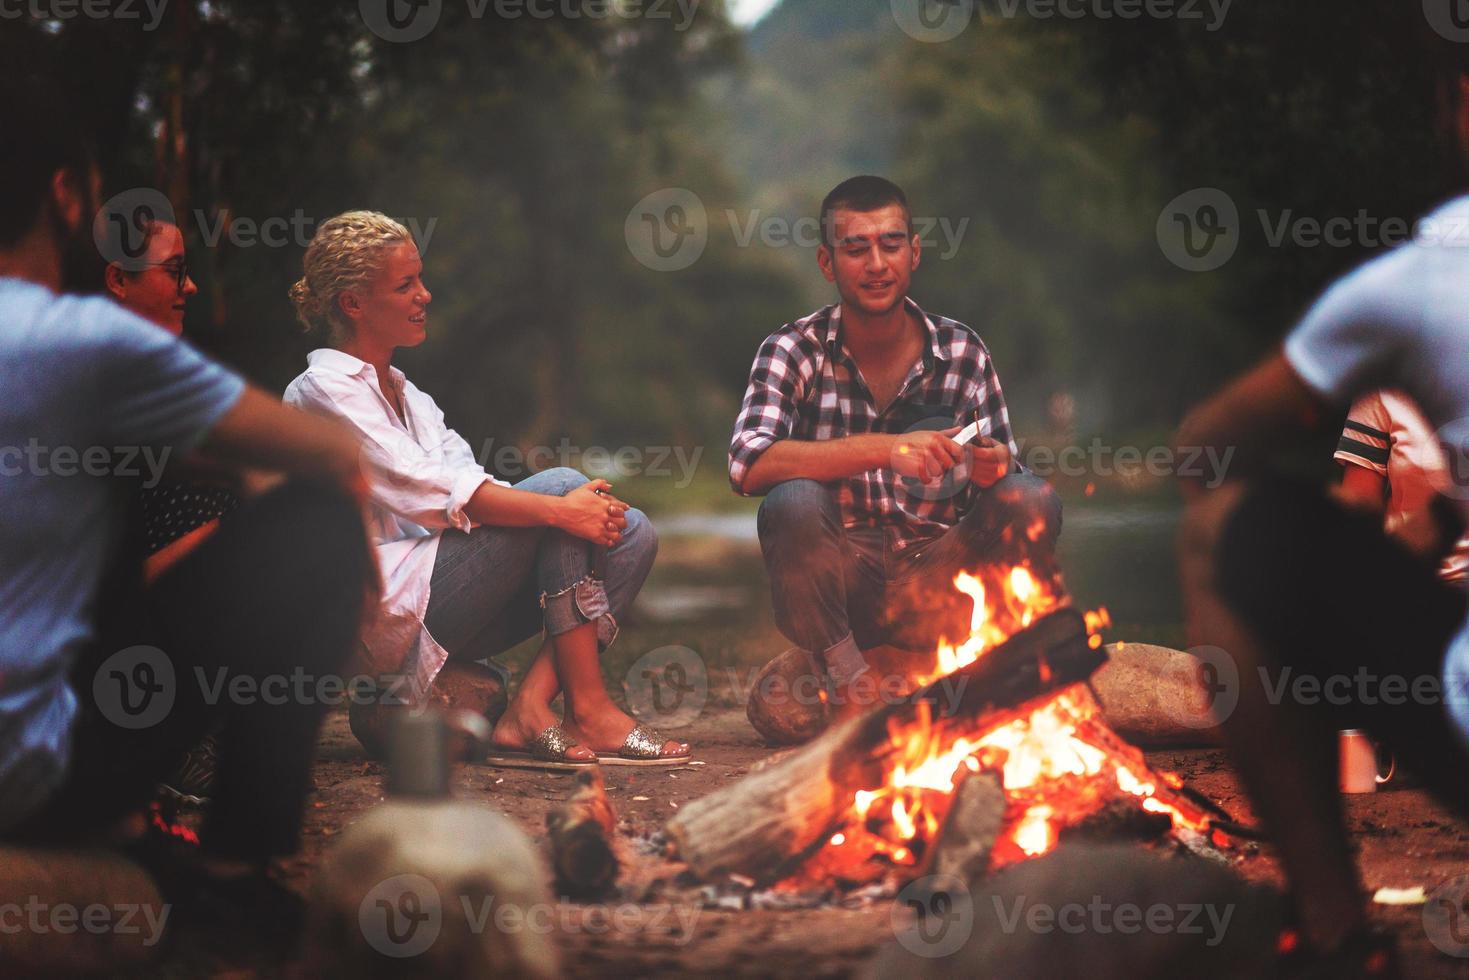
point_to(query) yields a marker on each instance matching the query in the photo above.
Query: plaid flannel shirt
(804, 385)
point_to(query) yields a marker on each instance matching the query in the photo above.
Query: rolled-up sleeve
(428, 487)
(768, 413)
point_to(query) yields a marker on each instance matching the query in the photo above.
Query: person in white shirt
(470, 565)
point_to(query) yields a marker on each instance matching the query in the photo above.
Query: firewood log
(582, 830)
(768, 823)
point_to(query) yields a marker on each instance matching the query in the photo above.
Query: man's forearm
(261, 432)
(822, 461)
(1262, 411)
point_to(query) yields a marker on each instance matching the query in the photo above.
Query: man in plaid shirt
(847, 428)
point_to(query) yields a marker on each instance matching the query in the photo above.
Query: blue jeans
(838, 591)
(497, 586)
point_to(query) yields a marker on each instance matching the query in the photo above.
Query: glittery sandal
(548, 750)
(643, 747)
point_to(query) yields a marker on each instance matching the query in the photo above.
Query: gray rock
(785, 706)
(1152, 696)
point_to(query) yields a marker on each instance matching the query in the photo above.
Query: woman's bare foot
(606, 731)
(523, 721)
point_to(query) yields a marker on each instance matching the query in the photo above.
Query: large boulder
(459, 686)
(787, 704)
(1155, 697)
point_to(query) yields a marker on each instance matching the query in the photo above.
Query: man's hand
(926, 455)
(990, 462)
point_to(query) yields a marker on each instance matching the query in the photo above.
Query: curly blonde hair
(346, 253)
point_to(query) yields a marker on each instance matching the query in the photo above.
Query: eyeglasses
(179, 269)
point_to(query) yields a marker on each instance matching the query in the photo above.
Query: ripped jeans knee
(584, 602)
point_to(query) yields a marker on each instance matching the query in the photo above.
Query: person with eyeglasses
(185, 508)
(156, 285)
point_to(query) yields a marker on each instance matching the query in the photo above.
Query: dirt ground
(1405, 840)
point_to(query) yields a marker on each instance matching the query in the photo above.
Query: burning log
(970, 830)
(766, 825)
(582, 831)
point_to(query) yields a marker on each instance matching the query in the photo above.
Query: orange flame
(1057, 762)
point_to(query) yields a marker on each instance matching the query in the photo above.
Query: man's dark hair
(42, 134)
(865, 193)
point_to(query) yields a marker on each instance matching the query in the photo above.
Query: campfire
(1008, 705)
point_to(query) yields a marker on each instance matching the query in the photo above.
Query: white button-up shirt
(421, 474)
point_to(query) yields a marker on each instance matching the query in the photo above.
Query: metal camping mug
(1358, 757)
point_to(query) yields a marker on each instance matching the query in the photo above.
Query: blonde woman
(470, 564)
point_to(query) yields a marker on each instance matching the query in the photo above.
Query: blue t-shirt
(95, 401)
(1402, 321)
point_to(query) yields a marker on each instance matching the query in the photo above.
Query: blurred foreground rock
(1099, 912)
(65, 912)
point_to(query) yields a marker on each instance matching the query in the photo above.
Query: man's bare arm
(1362, 488)
(261, 432)
(1266, 409)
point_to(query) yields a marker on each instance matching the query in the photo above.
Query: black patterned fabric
(172, 510)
